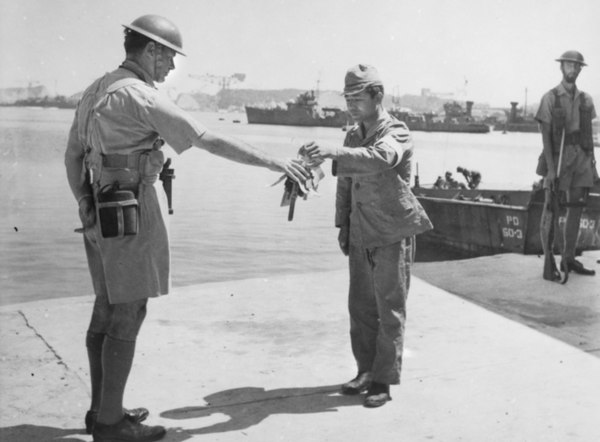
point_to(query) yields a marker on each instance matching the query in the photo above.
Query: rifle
(551, 272)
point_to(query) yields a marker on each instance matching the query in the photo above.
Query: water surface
(227, 222)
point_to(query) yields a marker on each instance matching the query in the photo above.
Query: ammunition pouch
(117, 213)
(118, 186)
(559, 121)
(585, 125)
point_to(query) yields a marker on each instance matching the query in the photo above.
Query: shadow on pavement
(248, 406)
(30, 433)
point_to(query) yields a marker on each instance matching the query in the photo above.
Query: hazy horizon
(488, 52)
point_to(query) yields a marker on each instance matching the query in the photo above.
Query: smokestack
(469, 108)
(513, 111)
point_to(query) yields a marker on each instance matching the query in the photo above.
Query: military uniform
(561, 109)
(566, 115)
(375, 200)
(118, 124)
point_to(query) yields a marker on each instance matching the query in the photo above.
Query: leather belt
(130, 161)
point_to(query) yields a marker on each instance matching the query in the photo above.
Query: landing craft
(479, 222)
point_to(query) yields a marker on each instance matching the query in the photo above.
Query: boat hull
(477, 222)
(473, 128)
(518, 127)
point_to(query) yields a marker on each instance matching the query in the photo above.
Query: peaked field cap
(159, 29)
(574, 56)
(359, 77)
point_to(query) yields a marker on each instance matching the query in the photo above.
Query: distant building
(187, 101)
(14, 94)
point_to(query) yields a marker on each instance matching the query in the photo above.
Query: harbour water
(227, 222)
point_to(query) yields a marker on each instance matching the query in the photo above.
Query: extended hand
(318, 152)
(294, 168)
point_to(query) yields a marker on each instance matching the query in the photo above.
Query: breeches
(120, 321)
(379, 284)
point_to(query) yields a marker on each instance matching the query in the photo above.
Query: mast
(318, 87)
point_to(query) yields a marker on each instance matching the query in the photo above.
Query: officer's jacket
(373, 193)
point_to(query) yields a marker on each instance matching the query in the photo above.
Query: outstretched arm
(241, 152)
(385, 153)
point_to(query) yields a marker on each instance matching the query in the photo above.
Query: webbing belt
(130, 161)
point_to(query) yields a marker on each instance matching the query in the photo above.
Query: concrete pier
(493, 353)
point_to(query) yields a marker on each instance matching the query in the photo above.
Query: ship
(36, 96)
(59, 102)
(515, 122)
(455, 120)
(304, 110)
(474, 222)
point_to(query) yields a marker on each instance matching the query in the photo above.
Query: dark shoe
(377, 395)
(577, 267)
(127, 431)
(135, 415)
(360, 383)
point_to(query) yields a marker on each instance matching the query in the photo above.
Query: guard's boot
(135, 415)
(127, 431)
(577, 267)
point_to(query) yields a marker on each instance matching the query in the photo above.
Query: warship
(304, 110)
(516, 122)
(455, 120)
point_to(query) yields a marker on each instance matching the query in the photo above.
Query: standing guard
(565, 115)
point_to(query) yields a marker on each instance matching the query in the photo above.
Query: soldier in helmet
(565, 116)
(114, 149)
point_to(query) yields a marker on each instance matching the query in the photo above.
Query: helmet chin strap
(157, 56)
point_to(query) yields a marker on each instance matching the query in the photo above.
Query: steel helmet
(572, 56)
(159, 29)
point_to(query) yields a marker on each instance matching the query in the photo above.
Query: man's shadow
(29, 433)
(248, 406)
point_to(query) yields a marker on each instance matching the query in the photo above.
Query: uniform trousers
(379, 284)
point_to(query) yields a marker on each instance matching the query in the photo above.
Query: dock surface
(492, 353)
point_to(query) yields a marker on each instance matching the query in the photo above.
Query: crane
(224, 81)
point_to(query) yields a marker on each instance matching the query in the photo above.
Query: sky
(489, 51)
